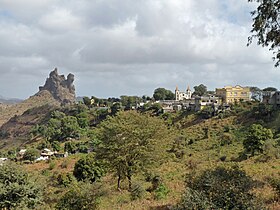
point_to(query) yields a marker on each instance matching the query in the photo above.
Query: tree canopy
(200, 90)
(131, 142)
(17, 189)
(266, 26)
(256, 138)
(163, 94)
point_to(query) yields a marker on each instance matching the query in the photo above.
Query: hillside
(200, 143)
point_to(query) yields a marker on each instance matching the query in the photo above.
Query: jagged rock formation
(61, 89)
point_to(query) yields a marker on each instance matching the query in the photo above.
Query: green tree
(87, 168)
(81, 196)
(270, 89)
(200, 90)
(163, 94)
(219, 188)
(31, 154)
(131, 142)
(256, 138)
(69, 127)
(17, 189)
(265, 27)
(87, 101)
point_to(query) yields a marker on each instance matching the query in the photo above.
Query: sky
(128, 47)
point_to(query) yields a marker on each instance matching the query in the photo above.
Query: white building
(180, 95)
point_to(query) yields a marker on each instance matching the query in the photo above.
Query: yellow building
(231, 94)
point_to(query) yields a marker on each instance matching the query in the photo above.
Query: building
(272, 98)
(180, 95)
(202, 101)
(231, 94)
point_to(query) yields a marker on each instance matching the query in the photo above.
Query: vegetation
(149, 153)
(17, 189)
(256, 138)
(221, 188)
(131, 142)
(265, 27)
(163, 94)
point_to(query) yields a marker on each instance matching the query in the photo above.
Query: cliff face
(61, 89)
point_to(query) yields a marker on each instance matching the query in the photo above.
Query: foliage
(265, 27)
(256, 138)
(137, 191)
(163, 94)
(17, 189)
(161, 192)
(222, 188)
(193, 199)
(31, 154)
(87, 168)
(270, 89)
(199, 90)
(132, 142)
(65, 179)
(70, 147)
(81, 196)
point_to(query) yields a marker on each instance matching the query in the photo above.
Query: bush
(161, 192)
(222, 188)
(81, 196)
(31, 154)
(137, 191)
(17, 189)
(87, 168)
(193, 199)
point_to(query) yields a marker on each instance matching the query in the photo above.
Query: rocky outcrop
(61, 89)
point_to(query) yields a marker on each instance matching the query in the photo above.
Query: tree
(81, 196)
(200, 90)
(87, 168)
(132, 142)
(69, 127)
(17, 189)
(31, 154)
(256, 138)
(163, 94)
(270, 89)
(87, 101)
(219, 188)
(266, 26)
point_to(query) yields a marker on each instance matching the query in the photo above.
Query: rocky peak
(61, 89)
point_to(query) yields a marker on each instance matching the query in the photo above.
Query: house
(234, 94)
(47, 153)
(272, 98)
(202, 101)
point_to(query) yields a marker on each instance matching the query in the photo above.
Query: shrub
(225, 188)
(17, 189)
(81, 196)
(137, 191)
(31, 154)
(193, 199)
(88, 168)
(161, 192)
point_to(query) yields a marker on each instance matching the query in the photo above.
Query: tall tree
(266, 26)
(163, 94)
(132, 142)
(200, 90)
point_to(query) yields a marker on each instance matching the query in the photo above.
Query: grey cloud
(130, 47)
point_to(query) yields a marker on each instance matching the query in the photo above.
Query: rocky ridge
(61, 89)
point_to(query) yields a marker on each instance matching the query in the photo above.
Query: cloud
(129, 48)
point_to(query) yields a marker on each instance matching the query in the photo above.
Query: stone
(63, 90)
